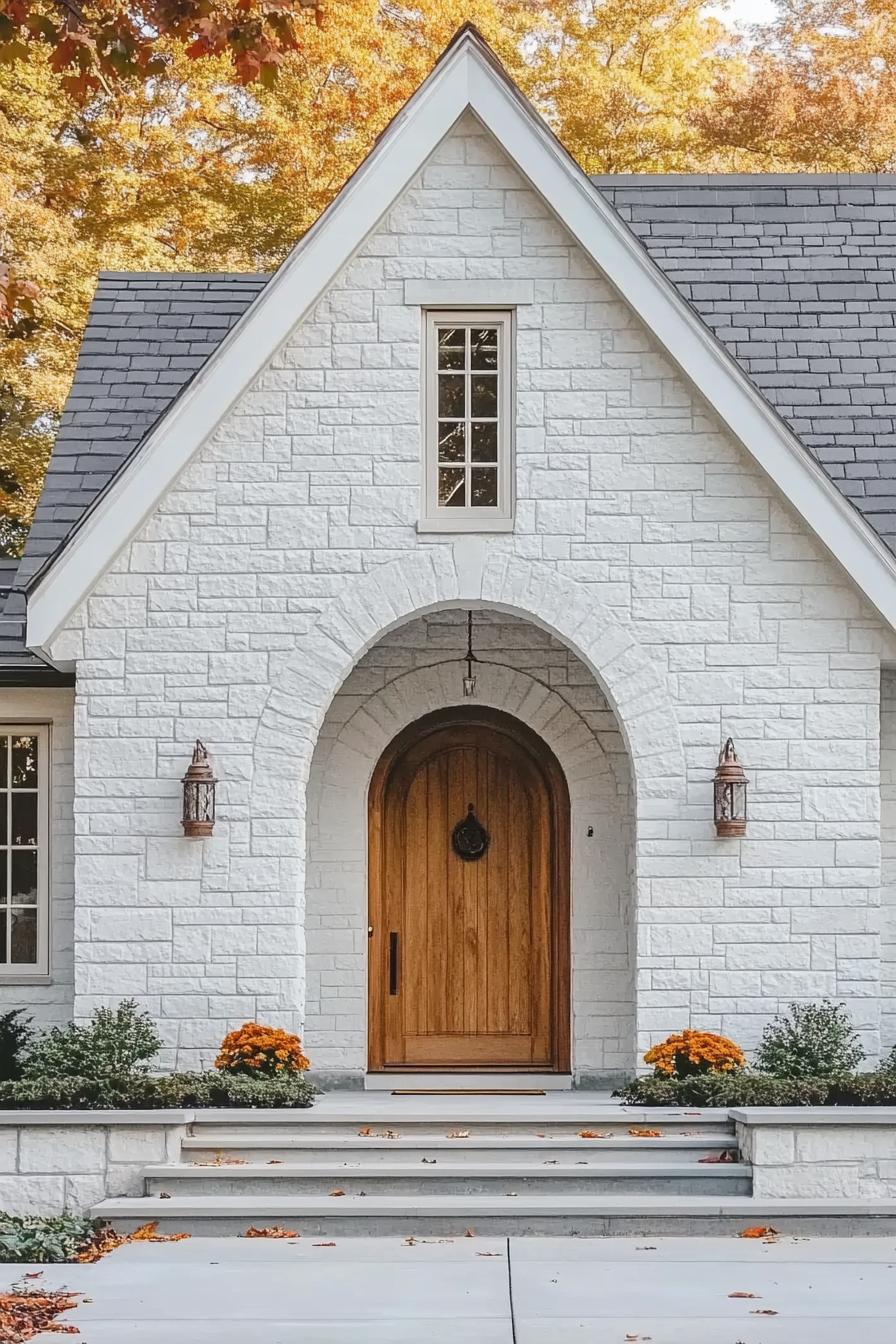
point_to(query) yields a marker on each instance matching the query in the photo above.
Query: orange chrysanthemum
(264, 1052)
(687, 1052)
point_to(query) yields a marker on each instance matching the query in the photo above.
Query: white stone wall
(57, 1162)
(49, 999)
(645, 540)
(811, 1153)
(524, 671)
(888, 857)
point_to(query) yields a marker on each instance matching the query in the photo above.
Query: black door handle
(393, 963)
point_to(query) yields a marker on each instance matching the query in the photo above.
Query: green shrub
(141, 1092)
(15, 1034)
(44, 1241)
(889, 1064)
(116, 1044)
(745, 1089)
(812, 1040)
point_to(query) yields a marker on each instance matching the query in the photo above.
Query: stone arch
(602, 1006)
(476, 574)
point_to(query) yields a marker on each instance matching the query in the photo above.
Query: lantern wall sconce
(730, 794)
(199, 795)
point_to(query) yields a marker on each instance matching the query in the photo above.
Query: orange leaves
(591, 1134)
(263, 1051)
(32, 1312)
(148, 1232)
(336, 1194)
(757, 1233)
(459, 1134)
(276, 1232)
(686, 1052)
(222, 1160)
(646, 1133)
(743, 1294)
(726, 1155)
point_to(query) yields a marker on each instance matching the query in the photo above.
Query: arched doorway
(469, 898)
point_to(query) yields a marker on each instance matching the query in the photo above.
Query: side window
(24, 896)
(468, 464)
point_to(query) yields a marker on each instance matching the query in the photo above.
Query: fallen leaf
(485, 1253)
(743, 1294)
(27, 1312)
(763, 1311)
(428, 1161)
(645, 1248)
(754, 1233)
(274, 1231)
(646, 1133)
(410, 1241)
(591, 1134)
(388, 1134)
(164, 1194)
(36, 1274)
(323, 1243)
(334, 1194)
(149, 1232)
(275, 1162)
(725, 1156)
(365, 1132)
(469, 1232)
(459, 1134)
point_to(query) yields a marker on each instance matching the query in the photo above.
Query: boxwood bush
(747, 1089)
(142, 1092)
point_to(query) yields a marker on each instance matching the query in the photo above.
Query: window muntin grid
(22, 849)
(468, 419)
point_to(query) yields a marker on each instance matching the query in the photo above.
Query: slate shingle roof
(796, 275)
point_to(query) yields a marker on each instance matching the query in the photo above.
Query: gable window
(23, 850)
(468, 470)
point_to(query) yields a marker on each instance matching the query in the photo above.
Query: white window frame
(441, 518)
(21, 972)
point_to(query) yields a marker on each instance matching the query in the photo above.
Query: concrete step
(555, 1116)
(486, 1215)
(448, 1178)
(497, 1149)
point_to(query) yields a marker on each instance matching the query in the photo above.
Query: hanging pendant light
(470, 679)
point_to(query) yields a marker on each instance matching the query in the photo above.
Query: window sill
(462, 526)
(25, 978)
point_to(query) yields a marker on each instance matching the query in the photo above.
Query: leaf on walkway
(149, 1232)
(459, 1134)
(273, 1231)
(323, 1243)
(744, 1295)
(469, 1232)
(763, 1311)
(28, 1312)
(754, 1233)
(726, 1155)
(487, 1253)
(336, 1194)
(646, 1133)
(591, 1134)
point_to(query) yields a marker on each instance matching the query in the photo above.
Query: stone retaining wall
(819, 1152)
(65, 1161)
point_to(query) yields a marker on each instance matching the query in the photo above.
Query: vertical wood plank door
(469, 898)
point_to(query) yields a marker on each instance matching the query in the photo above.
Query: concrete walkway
(483, 1291)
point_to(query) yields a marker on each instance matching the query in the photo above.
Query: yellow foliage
(260, 1050)
(695, 1052)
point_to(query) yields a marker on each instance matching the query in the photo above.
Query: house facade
(463, 543)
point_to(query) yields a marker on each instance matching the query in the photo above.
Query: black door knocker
(470, 839)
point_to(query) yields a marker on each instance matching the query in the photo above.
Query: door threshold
(459, 1083)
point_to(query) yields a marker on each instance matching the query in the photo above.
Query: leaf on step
(549, 1162)
(148, 1232)
(754, 1233)
(275, 1162)
(725, 1156)
(459, 1134)
(274, 1231)
(388, 1134)
(591, 1134)
(36, 1274)
(163, 1194)
(469, 1232)
(429, 1161)
(410, 1241)
(486, 1253)
(763, 1311)
(645, 1248)
(646, 1133)
(323, 1243)
(365, 1133)
(334, 1194)
(745, 1295)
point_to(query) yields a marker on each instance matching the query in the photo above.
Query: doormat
(469, 1092)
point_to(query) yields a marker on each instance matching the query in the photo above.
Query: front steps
(412, 1166)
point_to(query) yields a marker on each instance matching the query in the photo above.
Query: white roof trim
(467, 76)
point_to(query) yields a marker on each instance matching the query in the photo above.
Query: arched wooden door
(469, 898)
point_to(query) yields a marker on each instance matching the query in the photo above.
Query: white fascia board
(467, 76)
